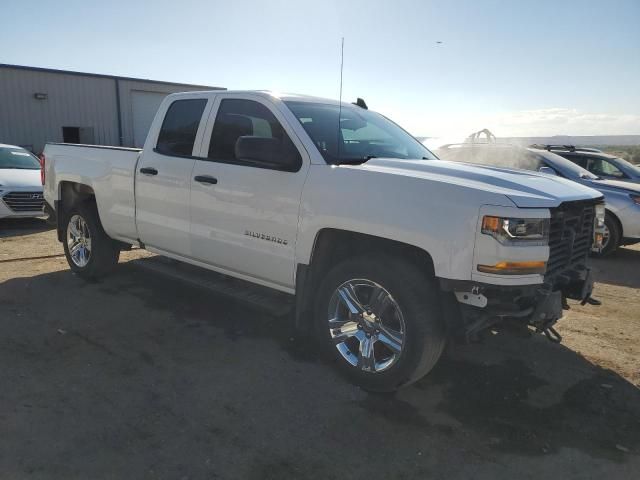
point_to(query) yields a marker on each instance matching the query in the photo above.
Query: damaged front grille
(570, 240)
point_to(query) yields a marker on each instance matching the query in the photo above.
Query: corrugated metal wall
(73, 100)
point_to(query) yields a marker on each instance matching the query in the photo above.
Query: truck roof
(270, 94)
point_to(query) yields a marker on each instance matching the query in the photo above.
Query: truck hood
(526, 189)
(13, 177)
(616, 185)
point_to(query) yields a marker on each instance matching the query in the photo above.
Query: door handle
(206, 179)
(148, 171)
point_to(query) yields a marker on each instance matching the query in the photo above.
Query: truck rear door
(163, 179)
(244, 214)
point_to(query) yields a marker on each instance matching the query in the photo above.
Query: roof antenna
(340, 104)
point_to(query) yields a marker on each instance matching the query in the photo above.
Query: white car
(387, 249)
(20, 184)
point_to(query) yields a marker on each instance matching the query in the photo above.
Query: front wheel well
(617, 220)
(333, 246)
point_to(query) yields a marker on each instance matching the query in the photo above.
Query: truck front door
(244, 213)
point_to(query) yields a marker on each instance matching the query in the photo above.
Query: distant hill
(582, 140)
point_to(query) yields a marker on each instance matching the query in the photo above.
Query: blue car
(622, 220)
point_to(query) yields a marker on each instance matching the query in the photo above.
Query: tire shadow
(17, 227)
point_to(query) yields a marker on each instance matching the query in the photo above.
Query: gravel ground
(143, 376)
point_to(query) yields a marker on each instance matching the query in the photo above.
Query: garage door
(145, 105)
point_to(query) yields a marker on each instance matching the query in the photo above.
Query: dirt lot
(143, 376)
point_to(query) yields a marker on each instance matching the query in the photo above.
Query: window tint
(246, 118)
(604, 168)
(180, 126)
(578, 160)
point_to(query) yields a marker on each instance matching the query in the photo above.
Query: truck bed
(110, 171)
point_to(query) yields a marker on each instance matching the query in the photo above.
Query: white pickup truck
(388, 250)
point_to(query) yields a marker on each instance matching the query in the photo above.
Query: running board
(262, 298)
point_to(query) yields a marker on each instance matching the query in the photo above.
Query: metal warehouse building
(39, 105)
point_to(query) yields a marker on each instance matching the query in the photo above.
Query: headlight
(600, 215)
(516, 230)
(598, 228)
(635, 198)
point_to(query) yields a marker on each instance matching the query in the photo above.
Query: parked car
(338, 206)
(20, 186)
(622, 221)
(597, 162)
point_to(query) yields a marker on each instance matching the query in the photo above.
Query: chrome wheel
(366, 325)
(606, 236)
(79, 241)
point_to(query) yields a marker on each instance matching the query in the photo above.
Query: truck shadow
(508, 395)
(22, 226)
(620, 268)
(537, 399)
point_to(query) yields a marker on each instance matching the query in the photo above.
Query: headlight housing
(600, 212)
(598, 228)
(517, 230)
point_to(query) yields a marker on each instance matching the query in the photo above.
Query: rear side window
(238, 118)
(179, 127)
(578, 160)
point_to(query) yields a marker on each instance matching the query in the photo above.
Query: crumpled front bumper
(482, 306)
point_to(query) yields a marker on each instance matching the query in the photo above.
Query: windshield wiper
(354, 161)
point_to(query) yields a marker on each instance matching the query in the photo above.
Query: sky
(519, 68)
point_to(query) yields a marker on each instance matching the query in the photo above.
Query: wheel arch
(617, 220)
(334, 245)
(70, 193)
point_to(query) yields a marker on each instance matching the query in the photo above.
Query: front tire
(612, 236)
(379, 318)
(90, 252)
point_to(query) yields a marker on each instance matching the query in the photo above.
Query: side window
(580, 161)
(264, 142)
(606, 168)
(179, 127)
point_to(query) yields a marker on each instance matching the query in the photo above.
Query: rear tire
(409, 313)
(90, 252)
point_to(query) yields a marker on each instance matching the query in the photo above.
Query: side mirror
(547, 170)
(265, 150)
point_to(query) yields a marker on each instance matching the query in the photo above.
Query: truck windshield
(18, 158)
(362, 134)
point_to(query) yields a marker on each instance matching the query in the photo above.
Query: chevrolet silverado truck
(388, 250)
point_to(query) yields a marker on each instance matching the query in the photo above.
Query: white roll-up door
(145, 105)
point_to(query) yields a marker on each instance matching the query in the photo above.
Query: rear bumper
(50, 212)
